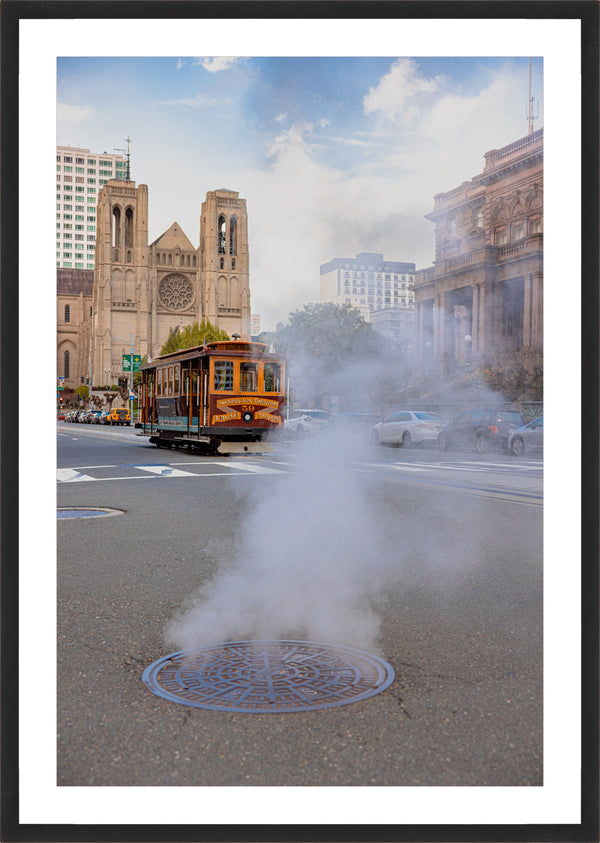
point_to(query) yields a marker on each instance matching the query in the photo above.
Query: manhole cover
(268, 676)
(86, 512)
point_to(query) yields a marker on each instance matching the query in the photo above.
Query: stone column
(475, 327)
(420, 338)
(537, 322)
(437, 318)
(527, 311)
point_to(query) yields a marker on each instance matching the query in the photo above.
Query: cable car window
(177, 380)
(248, 376)
(272, 377)
(224, 375)
(159, 382)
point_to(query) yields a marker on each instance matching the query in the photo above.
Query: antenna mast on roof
(128, 140)
(530, 115)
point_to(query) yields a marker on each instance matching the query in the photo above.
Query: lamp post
(468, 342)
(131, 353)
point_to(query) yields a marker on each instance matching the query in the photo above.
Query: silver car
(301, 422)
(528, 438)
(407, 426)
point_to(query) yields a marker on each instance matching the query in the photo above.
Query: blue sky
(333, 155)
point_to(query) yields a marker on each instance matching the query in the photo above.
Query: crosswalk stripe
(165, 471)
(70, 475)
(255, 469)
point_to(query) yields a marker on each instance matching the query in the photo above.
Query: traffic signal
(122, 383)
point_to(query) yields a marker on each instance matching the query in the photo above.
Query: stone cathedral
(143, 290)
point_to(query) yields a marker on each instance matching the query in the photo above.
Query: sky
(334, 155)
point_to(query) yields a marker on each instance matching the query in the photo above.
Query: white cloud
(69, 114)
(399, 91)
(215, 64)
(302, 212)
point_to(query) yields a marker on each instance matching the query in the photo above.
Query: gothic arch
(222, 234)
(116, 232)
(222, 291)
(234, 292)
(233, 233)
(128, 233)
(130, 285)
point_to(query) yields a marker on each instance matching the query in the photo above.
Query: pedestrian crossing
(152, 471)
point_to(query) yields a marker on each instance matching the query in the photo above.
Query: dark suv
(480, 429)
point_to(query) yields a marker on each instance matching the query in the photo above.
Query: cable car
(223, 397)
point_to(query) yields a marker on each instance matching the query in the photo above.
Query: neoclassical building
(482, 300)
(141, 290)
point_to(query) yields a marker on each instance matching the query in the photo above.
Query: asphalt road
(454, 583)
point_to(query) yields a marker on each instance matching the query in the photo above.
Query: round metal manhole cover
(268, 676)
(86, 512)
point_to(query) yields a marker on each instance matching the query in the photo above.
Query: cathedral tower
(224, 261)
(120, 305)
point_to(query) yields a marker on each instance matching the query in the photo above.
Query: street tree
(193, 335)
(333, 353)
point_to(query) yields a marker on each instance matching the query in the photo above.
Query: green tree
(193, 335)
(332, 351)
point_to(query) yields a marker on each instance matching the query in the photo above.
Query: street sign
(137, 362)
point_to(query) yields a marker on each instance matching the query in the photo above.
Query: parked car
(60, 416)
(407, 426)
(118, 415)
(301, 422)
(482, 429)
(91, 416)
(528, 438)
(102, 417)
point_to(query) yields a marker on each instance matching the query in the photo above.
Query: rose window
(175, 292)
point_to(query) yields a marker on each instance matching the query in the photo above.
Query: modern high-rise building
(382, 290)
(80, 176)
(368, 283)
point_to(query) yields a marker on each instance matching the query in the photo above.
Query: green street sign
(137, 362)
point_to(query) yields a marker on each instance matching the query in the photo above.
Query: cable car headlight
(247, 417)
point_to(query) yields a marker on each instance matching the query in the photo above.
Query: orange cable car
(222, 397)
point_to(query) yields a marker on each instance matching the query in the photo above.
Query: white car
(407, 426)
(301, 422)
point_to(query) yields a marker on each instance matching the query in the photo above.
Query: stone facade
(141, 291)
(73, 310)
(482, 300)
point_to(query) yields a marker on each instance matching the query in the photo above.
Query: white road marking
(70, 475)
(165, 471)
(255, 469)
